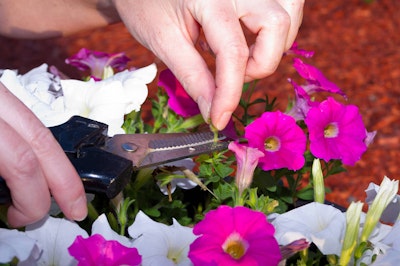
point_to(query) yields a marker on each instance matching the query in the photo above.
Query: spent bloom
(98, 63)
(281, 140)
(160, 244)
(179, 100)
(95, 250)
(336, 131)
(247, 160)
(317, 82)
(234, 236)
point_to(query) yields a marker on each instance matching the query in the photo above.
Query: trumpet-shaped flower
(179, 100)
(106, 101)
(97, 62)
(110, 99)
(160, 244)
(247, 160)
(336, 131)
(307, 222)
(280, 138)
(95, 250)
(234, 236)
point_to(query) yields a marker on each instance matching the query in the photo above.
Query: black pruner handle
(100, 171)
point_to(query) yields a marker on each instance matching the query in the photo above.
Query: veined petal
(326, 231)
(55, 235)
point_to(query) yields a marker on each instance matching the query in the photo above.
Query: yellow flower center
(235, 246)
(272, 144)
(331, 130)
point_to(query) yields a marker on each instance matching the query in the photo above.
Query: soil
(356, 45)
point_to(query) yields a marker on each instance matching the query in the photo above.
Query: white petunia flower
(160, 244)
(321, 224)
(54, 101)
(110, 99)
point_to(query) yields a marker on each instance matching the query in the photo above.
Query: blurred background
(356, 44)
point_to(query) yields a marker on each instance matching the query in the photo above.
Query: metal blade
(145, 150)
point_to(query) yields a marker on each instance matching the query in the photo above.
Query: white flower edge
(325, 231)
(160, 244)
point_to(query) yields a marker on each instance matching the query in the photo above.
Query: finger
(225, 37)
(295, 10)
(271, 23)
(61, 177)
(30, 195)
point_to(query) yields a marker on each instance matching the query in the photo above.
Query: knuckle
(27, 163)
(238, 50)
(279, 19)
(42, 141)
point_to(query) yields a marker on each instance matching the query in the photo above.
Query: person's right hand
(34, 166)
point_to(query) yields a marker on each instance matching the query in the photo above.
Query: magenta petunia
(280, 138)
(179, 100)
(317, 81)
(234, 236)
(96, 61)
(247, 160)
(336, 131)
(95, 250)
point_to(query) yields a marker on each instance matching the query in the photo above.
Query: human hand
(170, 30)
(33, 165)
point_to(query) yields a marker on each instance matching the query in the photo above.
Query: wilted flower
(97, 62)
(234, 236)
(280, 138)
(317, 82)
(318, 223)
(247, 160)
(160, 244)
(95, 250)
(179, 100)
(336, 131)
(295, 50)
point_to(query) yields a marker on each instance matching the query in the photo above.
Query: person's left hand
(171, 28)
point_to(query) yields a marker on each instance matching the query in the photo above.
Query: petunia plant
(259, 202)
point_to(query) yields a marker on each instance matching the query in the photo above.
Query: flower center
(235, 246)
(331, 130)
(272, 144)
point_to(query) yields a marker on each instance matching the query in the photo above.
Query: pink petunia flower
(302, 102)
(97, 62)
(234, 236)
(336, 131)
(317, 81)
(280, 138)
(95, 250)
(179, 101)
(247, 160)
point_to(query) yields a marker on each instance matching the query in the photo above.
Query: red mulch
(357, 46)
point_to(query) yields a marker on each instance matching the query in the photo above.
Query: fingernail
(204, 107)
(79, 209)
(223, 120)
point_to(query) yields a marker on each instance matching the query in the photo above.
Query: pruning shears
(106, 164)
